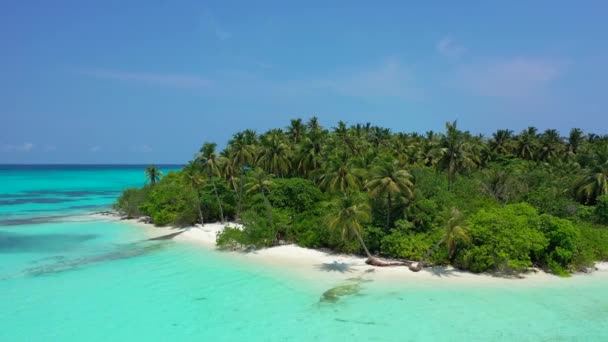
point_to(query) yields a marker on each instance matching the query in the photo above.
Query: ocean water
(69, 276)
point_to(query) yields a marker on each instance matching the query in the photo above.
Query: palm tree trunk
(200, 210)
(388, 212)
(219, 202)
(240, 205)
(369, 255)
(420, 264)
(268, 208)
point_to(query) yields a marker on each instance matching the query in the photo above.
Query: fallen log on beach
(382, 263)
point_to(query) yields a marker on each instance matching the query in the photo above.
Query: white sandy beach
(317, 265)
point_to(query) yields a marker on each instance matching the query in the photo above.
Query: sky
(150, 81)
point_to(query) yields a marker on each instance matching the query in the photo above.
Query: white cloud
(172, 80)
(24, 147)
(141, 148)
(389, 79)
(449, 48)
(511, 78)
(95, 149)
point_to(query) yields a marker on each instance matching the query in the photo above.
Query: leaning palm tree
(389, 179)
(455, 231)
(347, 215)
(153, 174)
(208, 159)
(593, 185)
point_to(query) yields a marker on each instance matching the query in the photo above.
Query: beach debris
(145, 219)
(383, 263)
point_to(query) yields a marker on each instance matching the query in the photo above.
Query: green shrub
(563, 237)
(504, 239)
(297, 194)
(130, 201)
(601, 209)
(231, 238)
(404, 243)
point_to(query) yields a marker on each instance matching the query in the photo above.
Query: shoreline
(316, 265)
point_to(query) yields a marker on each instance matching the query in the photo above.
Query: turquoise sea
(69, 276)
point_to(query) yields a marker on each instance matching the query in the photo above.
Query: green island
(503, 204)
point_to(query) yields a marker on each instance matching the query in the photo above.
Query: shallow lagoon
(85, 278)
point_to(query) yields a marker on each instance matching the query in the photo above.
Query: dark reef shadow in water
(65, 265)
(123, 252)
(67, 193)
(45, 219)
(18, 201)
(43, 243)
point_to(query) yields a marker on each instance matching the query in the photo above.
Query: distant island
(503, 204)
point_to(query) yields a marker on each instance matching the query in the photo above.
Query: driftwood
(382, 263)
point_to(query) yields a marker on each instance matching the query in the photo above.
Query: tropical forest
(505, 203)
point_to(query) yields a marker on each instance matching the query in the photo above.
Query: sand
(316, 265)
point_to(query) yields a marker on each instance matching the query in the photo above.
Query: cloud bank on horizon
(150, 83)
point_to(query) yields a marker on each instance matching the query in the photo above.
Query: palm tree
(208, 159)
(153, 174)
(194, 179)
(313, 124)
(378, 136)
(498, 183)
(310, 155)
(388, 178)
(593, 185)
(455, 231)
(575, 139)
(339, 175)
(456, 153)
(275, 154)
(526, 144)
(296, 131)
(501, 142)
(241, 149)
(347, 215)
(551, 145)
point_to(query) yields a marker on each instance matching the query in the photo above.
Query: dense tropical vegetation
(501, 203)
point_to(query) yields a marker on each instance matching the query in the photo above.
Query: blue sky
(150, 81)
